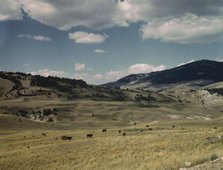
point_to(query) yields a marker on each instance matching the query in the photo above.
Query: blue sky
(104, 40)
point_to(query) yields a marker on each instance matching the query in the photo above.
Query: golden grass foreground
(158, 147)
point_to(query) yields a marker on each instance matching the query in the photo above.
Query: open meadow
(139, 144)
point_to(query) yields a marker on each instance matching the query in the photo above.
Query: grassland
(169, 129)
(159, 146)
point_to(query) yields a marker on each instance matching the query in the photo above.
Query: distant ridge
(17, 84)
(206, 70)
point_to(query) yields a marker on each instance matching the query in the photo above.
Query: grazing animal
(89, 135)
(135, 123)
(66, 137)
(43, 134)
(104, 130)
(123, 134)
(69, 137)
(215, 127)
(147, 125)
(150, 128)
(119, 131)
(173, 126)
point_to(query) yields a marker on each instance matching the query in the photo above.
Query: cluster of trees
(13, 78)
(148, 98)
(45, 114)
(216, 90)
(61, 84)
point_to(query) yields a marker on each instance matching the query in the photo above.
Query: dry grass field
(159, 146)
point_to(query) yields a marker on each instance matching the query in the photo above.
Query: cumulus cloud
(145, 68)
(187, 29)
(117, 74)
(41, 38)
(219, 59)
(134, 69)
(179, 21)
(82, 76)
(34, 37)
(70, 13)
(87, 38)
(79, 67)
(47, 72)
(100, 51)
(9, 10)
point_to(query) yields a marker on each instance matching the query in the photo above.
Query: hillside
(74, 102)
(25, 85)
(198, 73)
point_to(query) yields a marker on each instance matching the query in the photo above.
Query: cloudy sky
(102, 40)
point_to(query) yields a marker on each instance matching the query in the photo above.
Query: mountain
(199, 73)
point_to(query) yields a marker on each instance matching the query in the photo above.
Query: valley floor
(161, 145)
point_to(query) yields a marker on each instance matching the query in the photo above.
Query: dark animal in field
(173, 126)
(89, 135)
(215, 127)
(123, 134)
(119, 131)
(150, 128)
(147, 125)
(104, 130)
(43, 134)
(66, 137)
(134, 123)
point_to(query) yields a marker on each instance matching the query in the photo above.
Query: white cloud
(145, 68)
(111, 75)
(98, 14)
(191, 61)
(9, 10)
(100, 51)
(187, 29)
(179, 21)
(87, 38)
(34, 37)
(219, 59)
(47, 72)
(99, 78)
(82, 76)
(41, 38)
(79, 67)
